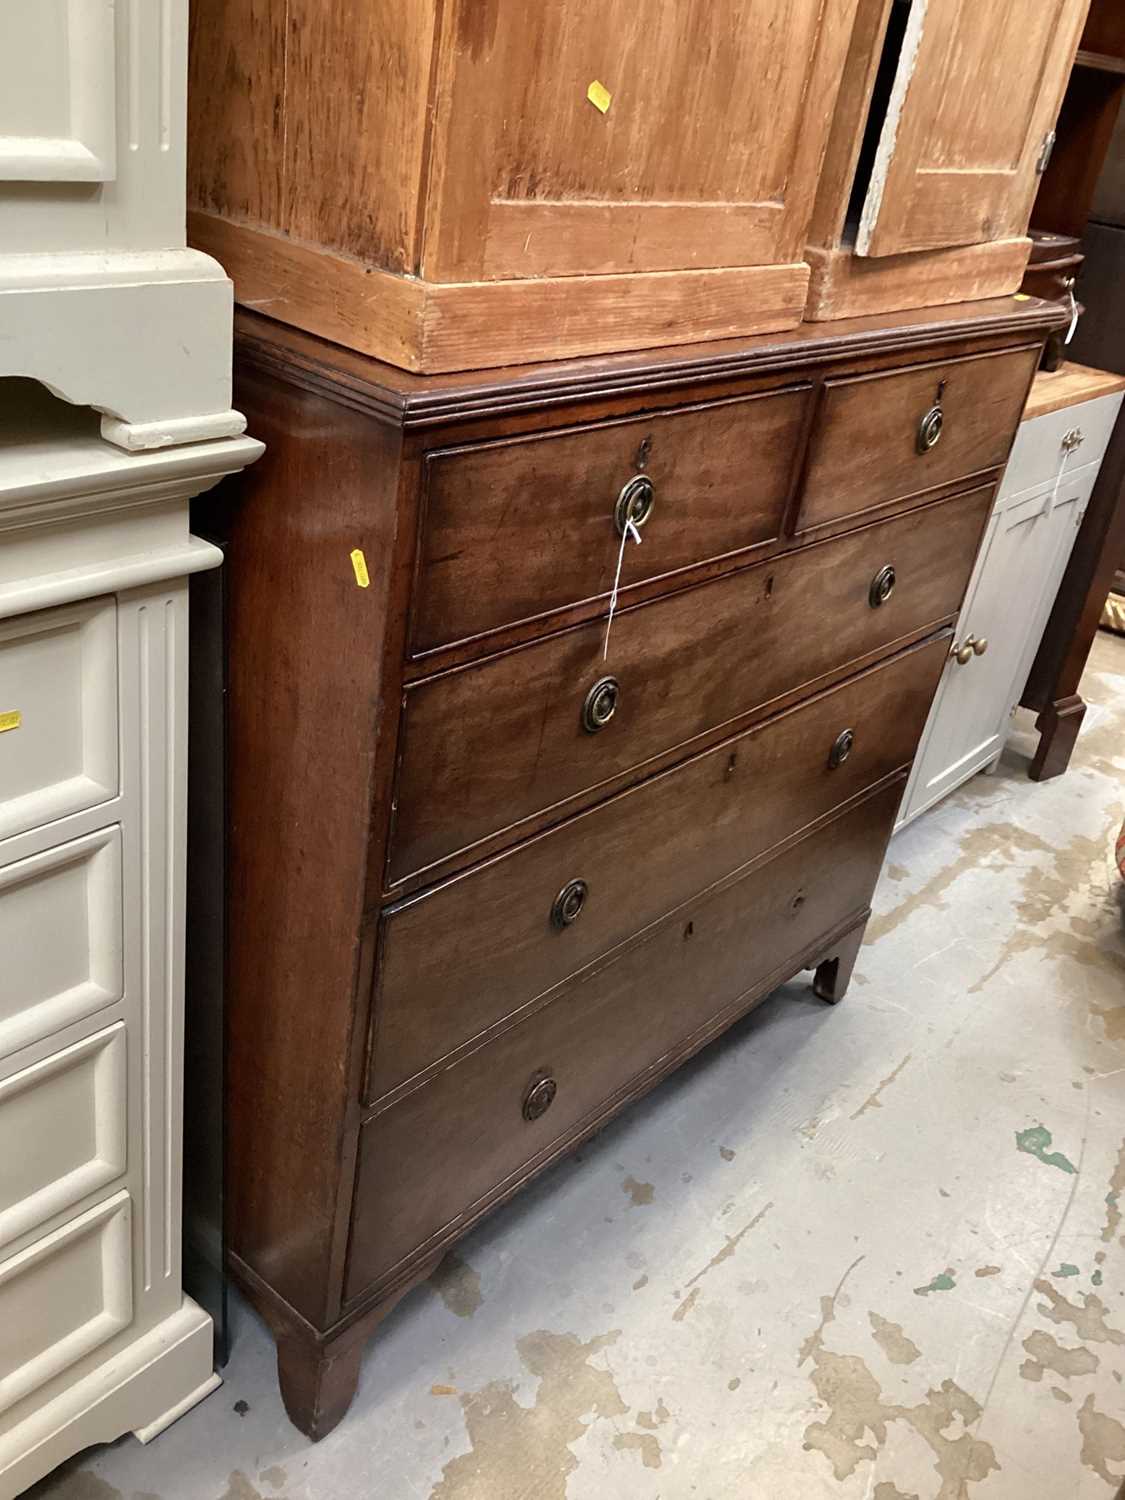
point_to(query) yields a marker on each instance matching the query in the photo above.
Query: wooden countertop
(1052, 390)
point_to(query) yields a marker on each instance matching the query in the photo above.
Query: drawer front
(1074, 437)
(430, 1159)
(488, 746)
(476, 949)
(58, 713)
(868, 446)
(516, 529)
(68, 1114)
(64, 1297)
(60, 936)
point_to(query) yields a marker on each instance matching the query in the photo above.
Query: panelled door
(977, 93)
(1021, 563)
(583, 137)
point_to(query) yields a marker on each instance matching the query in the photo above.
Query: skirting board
(437, 328)
(141, 1390)
(846, 285)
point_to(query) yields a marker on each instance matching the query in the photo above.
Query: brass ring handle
(930, 429)
(539, 1098)
(635, 503)
(601, 704)
(882, 586)
(567, 905)
(841, 748)
(979, 646)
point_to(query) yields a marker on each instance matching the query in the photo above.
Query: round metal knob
(539, 1098)
(882, 587)
(841, 749)
(962, 655)
(930, 429)
(634, 503)
(568, 904)
(601, 704)
(979, 647)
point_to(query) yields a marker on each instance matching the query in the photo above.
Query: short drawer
(878, 441)
(64, 1297)
(518, 528)
(60, 937)
(478, 948)
(439, 1155)
(1072, 437)
(68, 1115)
(488, 746)
(58, 713)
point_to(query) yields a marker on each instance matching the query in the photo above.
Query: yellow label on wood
(359, 567)
(599, 96)
(10, 720)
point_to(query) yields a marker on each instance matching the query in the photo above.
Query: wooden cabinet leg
(834, 974)
(1058, 727)
(318, 1382)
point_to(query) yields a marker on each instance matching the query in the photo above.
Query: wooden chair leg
(1058, 727)
(318, 1382)
(833, 975)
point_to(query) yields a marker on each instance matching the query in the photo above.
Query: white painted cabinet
(99, 297)
(1039, 508)
(96, 1336)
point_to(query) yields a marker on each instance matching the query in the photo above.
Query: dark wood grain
(512, 530)
(320, 668)
(491, 747)
(481, 947)
(437, 1152)
(864, 448)
(303, 728)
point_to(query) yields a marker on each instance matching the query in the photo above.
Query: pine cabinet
(450, 187)
(944, 125)
(1039, 508)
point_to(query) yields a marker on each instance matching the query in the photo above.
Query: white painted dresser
(96, 1337)
(99, 297)
(1039, 507)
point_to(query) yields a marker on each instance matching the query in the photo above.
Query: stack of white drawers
(115, 408)
(96, 1337)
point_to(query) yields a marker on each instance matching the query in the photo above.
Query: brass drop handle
(841, 748)
(567, 905)
(601, 704)
(932, 425)
(539, 1097)
(635, 503)
(1073, 439)
(882, 586)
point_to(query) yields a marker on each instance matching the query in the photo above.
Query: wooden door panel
(706, 155)
(978, 88)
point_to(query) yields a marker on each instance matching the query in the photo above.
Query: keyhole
(643, 452)
(689, 931)
(731, 764)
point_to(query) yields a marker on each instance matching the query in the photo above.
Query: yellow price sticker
(599, 96)
(11, 720)
(359, 568)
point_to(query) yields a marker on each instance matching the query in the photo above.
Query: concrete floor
(865, 1253)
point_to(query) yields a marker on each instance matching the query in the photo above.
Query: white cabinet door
(1021, 562)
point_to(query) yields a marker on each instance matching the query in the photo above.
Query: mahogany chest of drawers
(496, 871)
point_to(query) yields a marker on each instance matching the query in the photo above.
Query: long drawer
(516, 528)
(482, 946)
(877, 439)
(446, 1149)
(489, 746)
